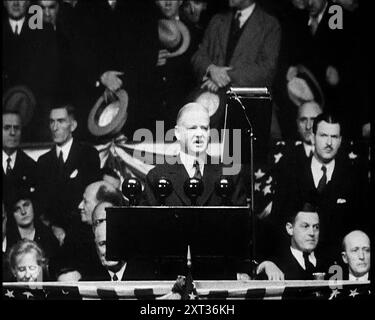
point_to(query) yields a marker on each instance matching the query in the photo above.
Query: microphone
(248, 92)
(131, 188)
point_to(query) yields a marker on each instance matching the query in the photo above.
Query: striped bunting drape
(221, 290)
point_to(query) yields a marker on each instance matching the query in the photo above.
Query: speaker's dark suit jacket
(177, 175)
(22, 176)
(136, 269)
(340, 206)
(60, 198)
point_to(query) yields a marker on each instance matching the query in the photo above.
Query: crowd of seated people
(54, 210)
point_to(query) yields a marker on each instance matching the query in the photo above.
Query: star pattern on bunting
(257, 186)
(277, 157)
(64, 292)
(9, 294)
(334, 294)
(28, 294)
(353, 293)
(192, 296)
(267, 190)
(259, 174)
(352, 156)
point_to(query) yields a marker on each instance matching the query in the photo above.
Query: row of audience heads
(192, 9)
(27, 260)
(63, 123)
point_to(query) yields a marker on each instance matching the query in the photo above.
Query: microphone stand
(250, 132)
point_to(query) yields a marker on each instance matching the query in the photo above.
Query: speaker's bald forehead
(191, 108)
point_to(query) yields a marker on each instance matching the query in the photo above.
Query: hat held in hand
(20, 99)
(109, 113)
(174, 36)
(303, 87)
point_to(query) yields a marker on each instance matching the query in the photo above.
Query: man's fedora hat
(214, 103)
(21, 100)
(174, 36)
(304, 87)
(109, 113)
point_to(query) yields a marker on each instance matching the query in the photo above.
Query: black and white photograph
(183, 150)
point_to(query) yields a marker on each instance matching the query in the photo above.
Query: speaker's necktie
(115, 278)
(309, 267)
(197, 174)
(16, 30)
(9, 168)
(323, 180)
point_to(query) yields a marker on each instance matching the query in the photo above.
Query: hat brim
(117, 122)
(22, 100)
(186, 39)
(218, 111)
(313, 84)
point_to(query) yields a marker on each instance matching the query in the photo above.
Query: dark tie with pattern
(16, 30)
(234, 34)
(237, 22)
(197, 174)
(60, 165)
(309, 267)
(9, 168)
(115, 278)
(323, 180)
(311, 153)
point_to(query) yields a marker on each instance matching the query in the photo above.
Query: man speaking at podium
(192, 132)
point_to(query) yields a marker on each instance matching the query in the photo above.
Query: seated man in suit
(18, 168)
(78, 250)
(299, 261)
(115, 270)
(192, 132)
(94, 194)
(302, 150)
(64, 171)
(356, 255)
(337, 187)
(305, 119)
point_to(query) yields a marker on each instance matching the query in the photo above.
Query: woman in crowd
(27, 262)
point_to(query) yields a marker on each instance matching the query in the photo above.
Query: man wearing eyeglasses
(110, 270)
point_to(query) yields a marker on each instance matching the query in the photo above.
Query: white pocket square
(73, 174)
(341, 201)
